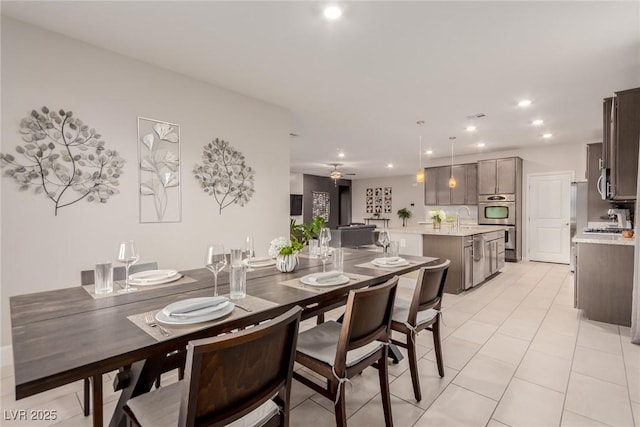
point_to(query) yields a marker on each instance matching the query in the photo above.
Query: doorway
(548, 216)
(344, 205)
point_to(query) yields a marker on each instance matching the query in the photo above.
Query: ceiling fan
(335, 174)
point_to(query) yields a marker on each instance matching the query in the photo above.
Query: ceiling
(360, 84)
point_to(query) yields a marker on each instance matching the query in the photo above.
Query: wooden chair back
(230, 375)
(367, 318)
(87, 277)
(429, 289)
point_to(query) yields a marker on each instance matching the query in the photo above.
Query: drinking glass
(238, 282)
(250, 250)
(128, 255)
(215, 260)
(103, 275)
(394, 248)
(236, 256)
(383, 239)
(338, 260)
(313, 248)
(324, 238)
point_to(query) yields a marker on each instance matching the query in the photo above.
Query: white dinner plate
(152, 282)
(170, 320)
(260, 262)
(380, 262)
(310, 279)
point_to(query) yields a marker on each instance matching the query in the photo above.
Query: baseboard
(6, 355)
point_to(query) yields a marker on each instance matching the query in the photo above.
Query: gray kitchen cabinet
(497, 176)
(471, 186)
(430, 181)
(443, 192)
(459, 192)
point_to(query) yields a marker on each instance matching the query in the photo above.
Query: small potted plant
(437, 216)
(404, 214)
(285, 251)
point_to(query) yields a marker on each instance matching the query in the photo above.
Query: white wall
(296, 187)
(545, 158)
(108, 92)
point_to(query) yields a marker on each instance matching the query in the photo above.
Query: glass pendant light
(452, 180)
(420, 173)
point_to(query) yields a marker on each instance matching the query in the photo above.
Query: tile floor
(516, 353)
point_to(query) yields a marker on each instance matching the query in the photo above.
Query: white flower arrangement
(437, 215)
(283, 246)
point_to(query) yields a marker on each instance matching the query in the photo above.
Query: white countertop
(604, 240)
(465, 230)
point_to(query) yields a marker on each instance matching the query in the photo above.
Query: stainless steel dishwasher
(468, 262)
(478, 259)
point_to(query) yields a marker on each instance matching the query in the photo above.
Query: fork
(148, 318)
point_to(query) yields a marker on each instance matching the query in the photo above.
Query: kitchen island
(603, 278)
(476, 251)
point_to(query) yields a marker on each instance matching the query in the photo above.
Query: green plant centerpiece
(437, 216)
(302, 233)
(285, 251)
(404, 214)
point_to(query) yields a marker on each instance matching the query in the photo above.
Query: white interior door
(548, 214)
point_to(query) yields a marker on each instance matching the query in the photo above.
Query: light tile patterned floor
(516, 353)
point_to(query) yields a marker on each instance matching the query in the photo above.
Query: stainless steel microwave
(499, 209)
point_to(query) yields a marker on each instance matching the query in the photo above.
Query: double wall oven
(500, 209)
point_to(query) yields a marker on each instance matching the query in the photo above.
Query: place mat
(375, 267)
(306, 255)
(295, 283)
(254, 304)
(119, 284)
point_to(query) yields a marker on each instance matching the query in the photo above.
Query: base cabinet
(604, 282)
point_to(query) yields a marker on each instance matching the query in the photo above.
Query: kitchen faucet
(458, 216)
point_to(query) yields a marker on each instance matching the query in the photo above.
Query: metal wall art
(320, 205)
(379, 200)
(225, 175)
(159, 160)
(63, 159)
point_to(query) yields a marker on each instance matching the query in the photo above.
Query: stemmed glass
(215, 260)
(128, 255)
(383, 239)
(324, 238)
(249, 249)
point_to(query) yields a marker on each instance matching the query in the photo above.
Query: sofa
(352, 235)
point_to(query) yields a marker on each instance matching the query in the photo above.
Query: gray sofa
(352, 236)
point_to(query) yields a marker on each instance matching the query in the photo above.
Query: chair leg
(435, 330)
(383, 373)
(87, 397)
(413, 368)
(320, 319)
(340, 407)
(157, 384)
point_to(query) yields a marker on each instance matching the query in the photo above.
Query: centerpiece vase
(287, 263)
(437, 225)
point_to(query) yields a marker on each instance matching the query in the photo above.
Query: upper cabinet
(497, 176)
(438, 192)
(621, 139)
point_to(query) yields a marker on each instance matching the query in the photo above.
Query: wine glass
(383, 239)
(128, 255)
(249, 249)
(324, 238)
(215, 260)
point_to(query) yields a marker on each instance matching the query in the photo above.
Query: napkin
(327, 277)
(152, 275)
(391, 260)
(195, 306)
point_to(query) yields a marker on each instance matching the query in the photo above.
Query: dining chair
(339, 351)
(422, 312)
(238, 379)
(174, 360)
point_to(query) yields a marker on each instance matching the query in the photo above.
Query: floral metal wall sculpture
(225, 175)
(63, 159)
(159, 159)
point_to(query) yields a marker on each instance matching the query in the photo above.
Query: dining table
(65, 335)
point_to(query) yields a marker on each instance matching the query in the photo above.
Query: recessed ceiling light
(340, 154)
(480, 144)
(332, 12)
(390, 165)
(524, 103)
(429, 152)
(471, 128)
(537, 122)
(547, 135)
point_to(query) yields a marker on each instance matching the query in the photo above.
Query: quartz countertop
(465, 230)
(603, 240)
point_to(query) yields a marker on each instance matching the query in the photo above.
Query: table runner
(119, 284)
(254, 304)
(295, 283)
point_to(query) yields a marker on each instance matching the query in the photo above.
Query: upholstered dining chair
(174, 360)
(238, 379)
(422, 312)
(339, 351)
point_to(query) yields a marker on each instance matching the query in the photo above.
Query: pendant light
(452, 180)
(420, 172)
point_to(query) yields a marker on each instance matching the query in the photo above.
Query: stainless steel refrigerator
(578, 214)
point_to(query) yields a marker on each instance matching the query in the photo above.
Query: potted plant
(404, 214)
(302, 233)
(285, 251)
(437, 216)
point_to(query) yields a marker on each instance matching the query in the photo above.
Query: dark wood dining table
(65, 335)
